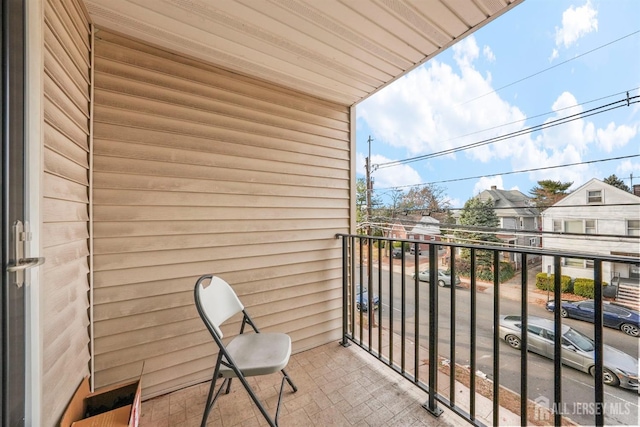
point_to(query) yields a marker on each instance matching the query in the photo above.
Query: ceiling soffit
(338, 50)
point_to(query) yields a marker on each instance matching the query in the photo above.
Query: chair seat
(258, 354)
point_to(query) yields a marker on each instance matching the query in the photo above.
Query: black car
(615, 316)
(397, 252)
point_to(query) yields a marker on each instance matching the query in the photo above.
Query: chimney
(636, 190)
(493, 187)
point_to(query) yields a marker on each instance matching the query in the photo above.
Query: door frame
(34, 152)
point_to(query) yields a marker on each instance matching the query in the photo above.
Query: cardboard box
(114, 406)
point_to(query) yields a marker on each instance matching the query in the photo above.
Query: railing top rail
(532, 251)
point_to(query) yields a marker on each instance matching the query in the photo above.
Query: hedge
(585, 287)
(545, 282)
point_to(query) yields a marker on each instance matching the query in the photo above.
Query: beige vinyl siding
(64, 294)
(198, 170)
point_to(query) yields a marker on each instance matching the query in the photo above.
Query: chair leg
(289, 380)
(210, 398)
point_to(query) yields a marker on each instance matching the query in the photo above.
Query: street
(577, 387)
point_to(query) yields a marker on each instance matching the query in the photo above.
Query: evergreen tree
(481, 215)
(617, 182)
(549, 192)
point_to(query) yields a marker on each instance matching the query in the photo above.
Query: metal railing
(396, 326)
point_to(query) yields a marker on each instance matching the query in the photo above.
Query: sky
(542, 61)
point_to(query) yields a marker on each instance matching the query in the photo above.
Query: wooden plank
(118, 150)
(163, 228)
(56, 164)
(61, 121)
(64, 211)
(55, 186)
(127, 94)
(61, 144)
(172, 118)
(58, 233)
(125, 50)
(116, 76)
(222, 141)
(198, 185)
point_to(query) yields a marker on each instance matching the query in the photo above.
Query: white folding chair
(247, 354)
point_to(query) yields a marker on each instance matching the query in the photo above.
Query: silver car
(444, 279)
(578, 350)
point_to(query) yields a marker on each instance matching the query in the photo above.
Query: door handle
(20, 235)
(24, 263)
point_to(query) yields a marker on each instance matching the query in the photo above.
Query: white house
(610, 214)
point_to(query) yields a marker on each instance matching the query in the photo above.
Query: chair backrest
(216, 301)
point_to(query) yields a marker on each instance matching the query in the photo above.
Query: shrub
(463, 268)
(545, 282)
(585, 287)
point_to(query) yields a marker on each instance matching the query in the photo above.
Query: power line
(513, 172)
(607, 107)
(539, 115)
(552, 67)
(521, 232)
(430, 211)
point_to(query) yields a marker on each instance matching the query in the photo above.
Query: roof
(576, 197)
(427, 226)
(338, 50)
(509, 203)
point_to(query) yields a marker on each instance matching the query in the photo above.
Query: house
(517, 215)
(149, 142)
(598, 209)
(427, 229)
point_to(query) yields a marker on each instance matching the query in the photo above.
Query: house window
(521, 223)
(633, 227)
(533, 241)
(573, 262)
(588, 263)
(590, 226)
(594, 196)
(574, 226)
(557, 225)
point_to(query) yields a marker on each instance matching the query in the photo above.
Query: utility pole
(369, 187)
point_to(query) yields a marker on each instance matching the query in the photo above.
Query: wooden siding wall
(198, 170)
(64, 299)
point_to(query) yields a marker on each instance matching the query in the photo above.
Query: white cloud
(554, 55)
(615, 136)
(427, 111)
(397, 176)
(485, 183)
(488, 54)
(628, 167)
(576, 23)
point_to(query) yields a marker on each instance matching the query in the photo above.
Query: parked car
(614, 315)
(578, 350)
(362, 299)
(397, 252)
(421, 252)
(444, 277)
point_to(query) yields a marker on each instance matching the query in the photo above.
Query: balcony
(381, 371)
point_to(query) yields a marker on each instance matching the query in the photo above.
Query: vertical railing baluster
(524, 310)
(557, 344)
(472, 356)
(352, 288)
(452, 336)
(380, 297)
(431, 404)
(361, 282)
(599, 338)
(345, 294)
(496, 338)
(370, 311)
